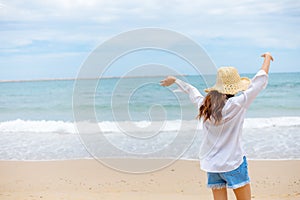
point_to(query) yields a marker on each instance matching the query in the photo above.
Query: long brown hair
(212, 106)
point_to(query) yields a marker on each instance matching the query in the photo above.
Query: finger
(162, 83)
(268, 53)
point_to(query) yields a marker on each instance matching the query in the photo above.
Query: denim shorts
(233, 179)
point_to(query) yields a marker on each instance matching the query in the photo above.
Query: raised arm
(266, 64)
(194, 95)
(258, 83)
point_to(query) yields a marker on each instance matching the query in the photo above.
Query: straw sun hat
(229, 81)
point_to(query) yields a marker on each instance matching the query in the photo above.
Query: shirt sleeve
(258, 83)
(194, 94)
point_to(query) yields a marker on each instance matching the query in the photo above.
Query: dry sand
(90, 180)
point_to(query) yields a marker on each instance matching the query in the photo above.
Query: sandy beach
(89, 179)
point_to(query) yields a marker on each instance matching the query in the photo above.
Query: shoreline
(89, 179)
(123, 158)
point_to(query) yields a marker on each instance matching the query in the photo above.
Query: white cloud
(29, 27)
(261, 23)
(35, 10)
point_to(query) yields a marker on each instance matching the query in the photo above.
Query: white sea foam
(264, 138)
(271, 122)
(43, 126)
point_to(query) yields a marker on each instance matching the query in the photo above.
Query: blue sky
(52, 38)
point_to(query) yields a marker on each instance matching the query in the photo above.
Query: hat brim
(241, 86)
(245, 83)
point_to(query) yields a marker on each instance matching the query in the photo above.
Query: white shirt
(221, 149)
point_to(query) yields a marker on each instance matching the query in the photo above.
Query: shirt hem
(221, 171)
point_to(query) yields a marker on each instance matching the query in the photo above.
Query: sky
(52, 38)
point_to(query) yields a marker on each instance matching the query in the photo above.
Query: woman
(223, 113)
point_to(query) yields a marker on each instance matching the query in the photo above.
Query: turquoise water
(37, 122)
(52, 100)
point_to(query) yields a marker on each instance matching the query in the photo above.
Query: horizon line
(111, 77)
(92, 78)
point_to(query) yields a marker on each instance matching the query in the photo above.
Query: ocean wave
(43, 126)
(264, 138)
(271, 122)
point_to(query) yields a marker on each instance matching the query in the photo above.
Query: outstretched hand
(267, 54)
(168, 81)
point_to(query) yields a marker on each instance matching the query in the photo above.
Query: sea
(138, 117)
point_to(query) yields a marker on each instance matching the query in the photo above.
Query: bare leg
(220, 194)
(243, 193)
